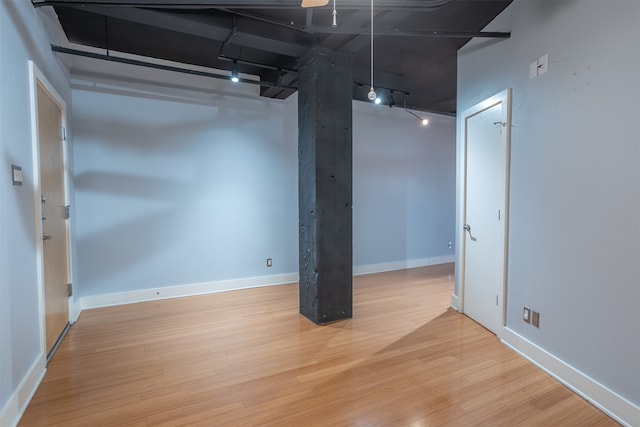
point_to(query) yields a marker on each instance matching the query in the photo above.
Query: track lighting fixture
(234, 73)
(424, 121)
(392, 101)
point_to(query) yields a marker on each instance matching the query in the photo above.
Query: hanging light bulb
(334, 13)
(372, 93)
(234, 73)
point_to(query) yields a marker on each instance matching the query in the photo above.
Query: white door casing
(52, 229)
(486, 132)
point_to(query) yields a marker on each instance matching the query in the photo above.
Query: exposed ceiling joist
(421, 5)
(416, 41)
(214, 27)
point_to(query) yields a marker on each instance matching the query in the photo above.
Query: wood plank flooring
(247, 358)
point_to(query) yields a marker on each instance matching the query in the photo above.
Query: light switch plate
(543, 64)
(533, 70)
(526, 314)
(16, 175)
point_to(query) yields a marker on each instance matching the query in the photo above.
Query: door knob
(467, 228)
(47, 237)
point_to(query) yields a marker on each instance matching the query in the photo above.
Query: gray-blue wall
(574, 252)
(22, 38)
(403, 187)
(174, 192)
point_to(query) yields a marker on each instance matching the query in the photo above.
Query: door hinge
(69, 289)
(496, 299)
(63, 133)
(67, 212)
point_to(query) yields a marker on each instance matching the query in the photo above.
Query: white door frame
(37, 77)
(503, 98)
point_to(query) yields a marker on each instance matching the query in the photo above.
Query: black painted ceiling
(415, 40)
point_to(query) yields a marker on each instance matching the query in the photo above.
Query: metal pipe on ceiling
(316, 29)
(129, 61)
(146, 64)
(256, 64)
(232, 34)
(351, 30)
(307, 29)
(413, 5)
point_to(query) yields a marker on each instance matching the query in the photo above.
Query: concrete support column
(325, 186)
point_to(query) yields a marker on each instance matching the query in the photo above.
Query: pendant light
(334, 14)
(372, 93)
(234, 72)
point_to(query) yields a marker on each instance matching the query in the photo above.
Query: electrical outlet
(269, 262)
(526, 314)
(450, 245)
(535, 319)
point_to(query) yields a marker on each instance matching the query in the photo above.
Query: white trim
(37, 77)
(401, 265)
(600, 396)
(152, 294)
(179, 291)
(16, 405)
(74, 310)
(34, 74)
(455, 302)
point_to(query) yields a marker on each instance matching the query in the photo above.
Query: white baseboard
(16, 405)
(609, 402)
(455, 302)
(130, 297)
(401, 265)
(74, 310)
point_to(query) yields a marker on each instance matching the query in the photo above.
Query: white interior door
(486, 144)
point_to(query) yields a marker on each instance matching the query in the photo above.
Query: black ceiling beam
(257, 64)
(139, 63)
(218, 27)
(415, 5)
(130, 61)
(285, 78)
(358, 30)
(407, 33)
(361, 21)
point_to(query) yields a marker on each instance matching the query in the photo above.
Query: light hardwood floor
(247, 358)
